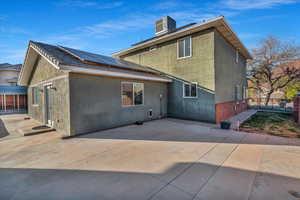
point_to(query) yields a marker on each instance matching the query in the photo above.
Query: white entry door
(49, 105)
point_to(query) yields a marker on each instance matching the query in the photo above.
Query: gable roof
(68, 59)
(218, 23)
(9, 67)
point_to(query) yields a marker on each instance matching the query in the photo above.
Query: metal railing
(275, 104)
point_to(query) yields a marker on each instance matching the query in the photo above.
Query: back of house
(195, 72)
(208, 54)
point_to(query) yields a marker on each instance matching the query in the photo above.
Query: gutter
(113, 74)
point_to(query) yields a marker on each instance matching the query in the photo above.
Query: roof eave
(200, 27)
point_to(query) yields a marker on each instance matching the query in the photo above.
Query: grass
(278, 124)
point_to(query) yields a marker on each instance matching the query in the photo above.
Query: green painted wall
(198, 68)
(42, 72)
(96, 103)
(201, 108)
(228, 72)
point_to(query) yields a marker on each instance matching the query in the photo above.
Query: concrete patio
(163, 159)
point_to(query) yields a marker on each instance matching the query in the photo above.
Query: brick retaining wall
(228, 109)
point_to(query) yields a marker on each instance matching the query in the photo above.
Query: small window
(245, 93)
(184, 47)
(35, 96)
(132, 94)
(190, 90)
(238, 93)
(237, 56)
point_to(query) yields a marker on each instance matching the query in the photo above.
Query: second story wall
(197, 68)
(230, 72)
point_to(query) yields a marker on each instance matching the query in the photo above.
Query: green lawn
(278, 124)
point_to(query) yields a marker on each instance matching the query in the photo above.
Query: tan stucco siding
(197, 68)
(43, 71)
(228, 72)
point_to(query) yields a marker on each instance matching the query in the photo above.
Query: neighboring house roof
(68, 59)
(13, 89)
(9, 67)
(218, 23)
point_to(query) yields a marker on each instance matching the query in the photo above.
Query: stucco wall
(96, 103)
(228, 72)
(43, 71)
(5, 75)
(198, 68)
(201, 108)
(44, 74)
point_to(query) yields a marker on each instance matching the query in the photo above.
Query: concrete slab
(163, 159)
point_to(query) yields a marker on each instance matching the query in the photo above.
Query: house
(12, 97)
(194, 72)
(209, 54)
(9, 74)
(79, 92)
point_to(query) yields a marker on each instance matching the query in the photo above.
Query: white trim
(113, 74)
(184, 47)
(133, 83)
(31, 45)
(34, 103)
(49, 80)
(47, 121)
(183, 87)
(39, 52)
(237, 56)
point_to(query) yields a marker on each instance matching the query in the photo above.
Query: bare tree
(273, 66)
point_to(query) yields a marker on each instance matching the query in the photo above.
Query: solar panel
(96, 58)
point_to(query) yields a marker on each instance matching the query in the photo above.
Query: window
(245, 93)
(190, 90)
(237, 56)
(132, 94)
(35, 96)
(238, 93)
(184, 47)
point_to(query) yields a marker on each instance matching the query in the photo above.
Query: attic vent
(164, 25)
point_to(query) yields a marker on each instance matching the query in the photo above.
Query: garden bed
(278, 124)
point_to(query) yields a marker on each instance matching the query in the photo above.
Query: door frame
(47, 121)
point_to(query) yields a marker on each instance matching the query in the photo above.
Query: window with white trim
(237, 56)
(245, 92)
(239, 92)
(190, 90)
(132, 93)
(184, 47)
(35, 95)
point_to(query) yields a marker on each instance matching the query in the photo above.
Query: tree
(273, 66)
(292, 89)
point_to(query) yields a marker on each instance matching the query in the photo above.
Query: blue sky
(105, 27)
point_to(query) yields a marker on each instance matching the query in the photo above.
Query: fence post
(296, 108)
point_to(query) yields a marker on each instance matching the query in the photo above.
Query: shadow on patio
(201, 180)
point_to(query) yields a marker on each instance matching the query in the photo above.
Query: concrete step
(27, 131)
